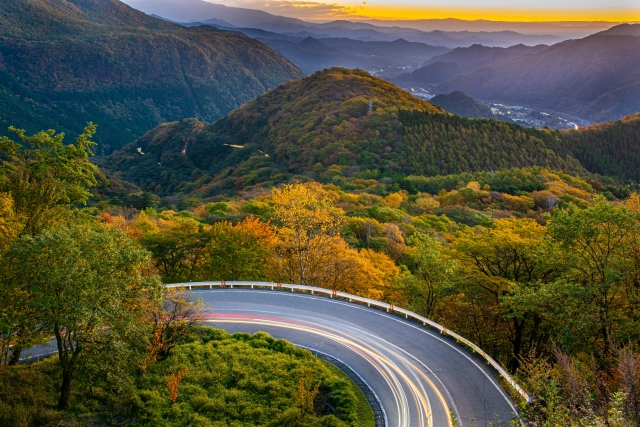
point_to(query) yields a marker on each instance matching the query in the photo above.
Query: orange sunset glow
(413, 12)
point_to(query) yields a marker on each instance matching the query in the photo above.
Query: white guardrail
(383, 305)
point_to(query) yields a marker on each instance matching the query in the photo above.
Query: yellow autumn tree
(10, 223)
(307, 223)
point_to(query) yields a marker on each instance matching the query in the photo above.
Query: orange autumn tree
(173, 318)
(239, 252)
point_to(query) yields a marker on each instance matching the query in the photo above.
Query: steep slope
(50, 19)
(463, 105)
(121, 69)
(595, 78)
(464, 60)
(611, 148)
(323, 127)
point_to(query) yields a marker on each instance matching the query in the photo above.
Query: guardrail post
(292, 289)
(189, 287)
(251, 286)
(231, 286)
(272, 288)
(210, 286)
(311, 291)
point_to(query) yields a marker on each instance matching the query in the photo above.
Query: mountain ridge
(127, 78)
(334, 123)
(595, 78)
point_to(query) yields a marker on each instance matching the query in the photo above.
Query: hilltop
(463, 105)
(66, 62)
(322, 127)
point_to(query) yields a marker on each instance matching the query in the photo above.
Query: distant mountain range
(311, 54)
(595, 78)
(335, 122)
(463, 61)
(66, 62)
(200, 11)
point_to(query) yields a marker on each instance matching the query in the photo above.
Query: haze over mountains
(597, 78)
(311, 54)
(191, 11)
(64, 63)
(463, 61)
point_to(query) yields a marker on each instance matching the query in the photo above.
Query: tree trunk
(65, 391)
(15, 355)
(517, 344)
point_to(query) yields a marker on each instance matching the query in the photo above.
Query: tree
(240, 252)
(365, 272)
(178, 248)
(501, 261)
(44, 177)
(431, 270)
(173, 318)
(600, 253)
(308, 222)
(87, 291)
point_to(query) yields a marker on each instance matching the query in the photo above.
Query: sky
(495, 10)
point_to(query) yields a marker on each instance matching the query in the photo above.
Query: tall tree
(86, 289)
(41, 179)
(600, 245)
(500, 261)
(431, 270)
(308, 223)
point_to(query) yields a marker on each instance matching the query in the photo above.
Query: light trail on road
(421, 379)
(403, 380)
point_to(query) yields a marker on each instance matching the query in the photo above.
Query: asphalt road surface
(419, 376)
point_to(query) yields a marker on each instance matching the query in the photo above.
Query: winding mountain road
(420, 376)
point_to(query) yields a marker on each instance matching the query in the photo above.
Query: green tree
(431, 270)
(45, 177)
(178, 248)
(41, 179)
(600, 286)
(497, 263)
(87, 291)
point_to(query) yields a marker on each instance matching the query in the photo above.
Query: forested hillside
(332, 124)
(611, 148)
(595, 78)
(64, 63)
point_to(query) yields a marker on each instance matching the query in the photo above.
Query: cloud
(301, 9)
